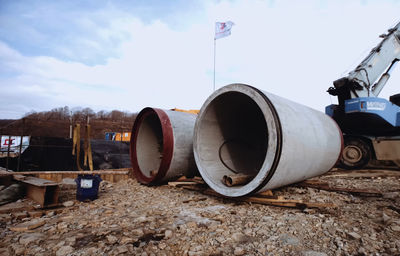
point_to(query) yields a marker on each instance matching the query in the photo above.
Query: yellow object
(126, 136)
(77, 144)
(88, 149)
(76, 147)
(191, 111)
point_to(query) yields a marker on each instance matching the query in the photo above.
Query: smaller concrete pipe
(248, 141)
(162, 146)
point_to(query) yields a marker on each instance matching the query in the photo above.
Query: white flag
(223, 29)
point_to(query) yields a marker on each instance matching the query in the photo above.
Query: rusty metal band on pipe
(161, 146)
(266, 140)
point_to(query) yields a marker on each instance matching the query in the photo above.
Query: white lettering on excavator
(371, 105)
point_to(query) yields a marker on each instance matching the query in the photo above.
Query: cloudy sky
(127, 55)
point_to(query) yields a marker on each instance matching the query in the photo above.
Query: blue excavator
(370, 125)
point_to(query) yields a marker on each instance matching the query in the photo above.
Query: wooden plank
(364, 174)
(327, 187)
(181, 183)
(38, 182)
(182, 178)
(37, 194)
(112, 175)
(44, 192)
(266, 193)
(195, 200)
(118, 178)
(278, 201)
(114, 172)
(286, 202)
(196, 179)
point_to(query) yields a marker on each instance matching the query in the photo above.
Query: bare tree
(116, 115)
(81, 114)
(102, 115)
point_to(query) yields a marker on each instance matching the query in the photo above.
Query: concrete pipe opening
(242, 135)
(161, 145)
(241, 139)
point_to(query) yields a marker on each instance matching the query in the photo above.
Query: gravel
(132, 219)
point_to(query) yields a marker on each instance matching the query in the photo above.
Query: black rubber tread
(365, 148)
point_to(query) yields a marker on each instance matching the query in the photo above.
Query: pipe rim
(341, 142)
(274, 134)
(168, 146)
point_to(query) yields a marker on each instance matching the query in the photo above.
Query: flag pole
(215, 49)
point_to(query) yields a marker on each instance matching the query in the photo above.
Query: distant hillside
(4, 122)
(56, 123)
(61, 129)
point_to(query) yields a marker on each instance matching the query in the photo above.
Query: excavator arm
(371, 75)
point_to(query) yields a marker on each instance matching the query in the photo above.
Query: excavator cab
(395, 99)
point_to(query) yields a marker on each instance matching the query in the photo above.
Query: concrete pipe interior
(151, 145)
(232, 138)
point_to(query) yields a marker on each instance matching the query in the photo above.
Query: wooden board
(111, 175)
(327, 187)
(44, 192)
(108, 171)
(363, 174)
(181, 183)
(266, 198)
(38, 182)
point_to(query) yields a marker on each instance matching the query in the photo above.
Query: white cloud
(159, 67)
(287, 48)
(296, 49)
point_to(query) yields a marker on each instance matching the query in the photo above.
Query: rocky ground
(132, 219)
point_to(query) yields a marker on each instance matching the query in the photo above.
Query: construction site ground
(344, 213)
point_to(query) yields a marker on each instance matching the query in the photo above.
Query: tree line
(80, 114)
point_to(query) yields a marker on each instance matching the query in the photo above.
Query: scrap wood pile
(266, 197)
(270, 197)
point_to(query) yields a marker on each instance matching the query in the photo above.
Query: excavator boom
(371, 75)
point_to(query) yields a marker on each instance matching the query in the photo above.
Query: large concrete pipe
(162, 145)
(265, 140)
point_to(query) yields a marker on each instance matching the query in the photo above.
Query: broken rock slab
(64, 250)
(68, 203)
(313, 253)
(11, 194)
(29, 225)
(20, 215)
(28, 238)
(354, 235)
